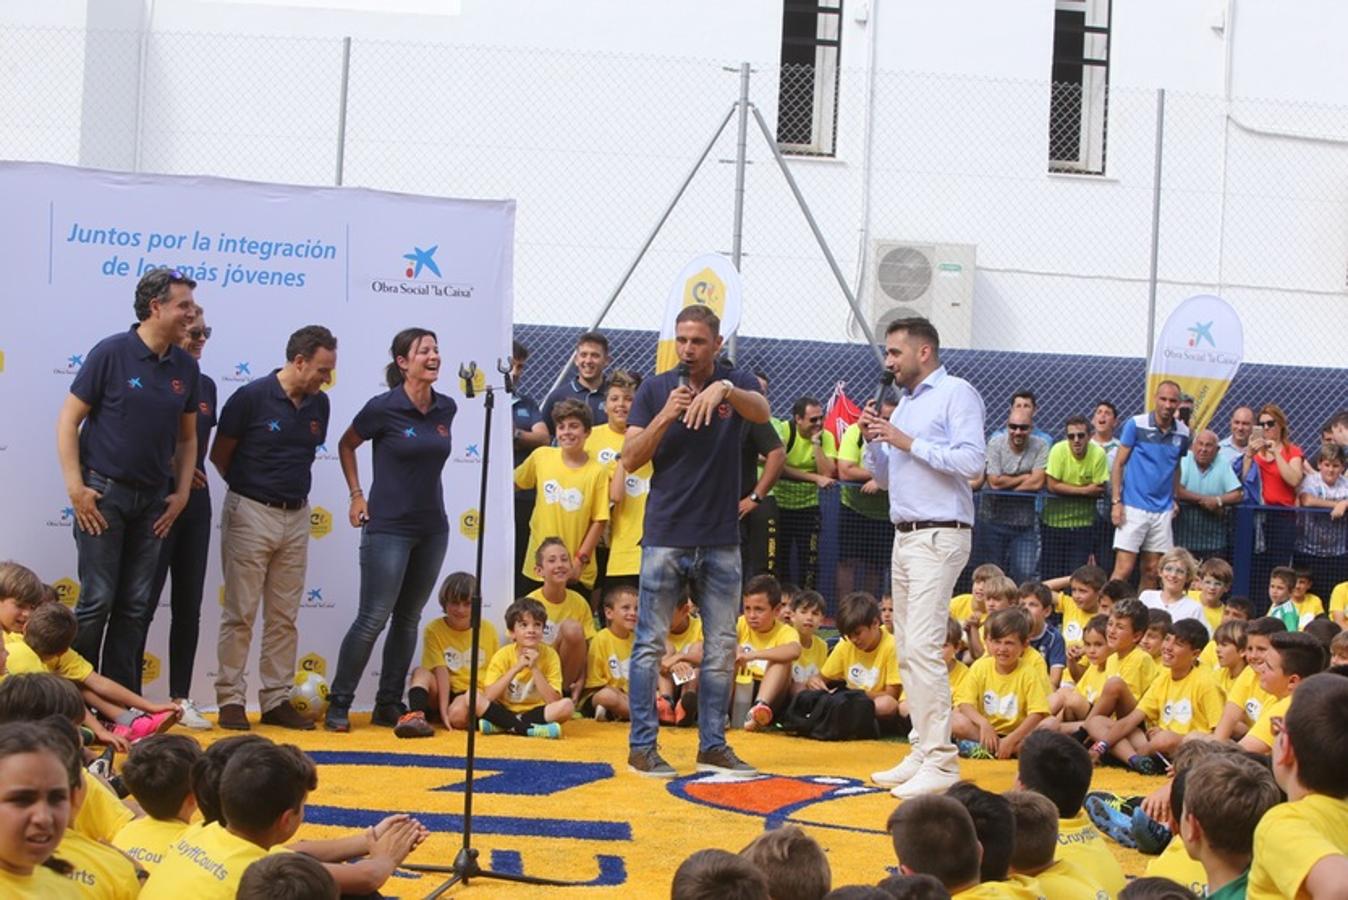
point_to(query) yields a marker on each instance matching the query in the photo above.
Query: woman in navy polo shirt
(405, 530)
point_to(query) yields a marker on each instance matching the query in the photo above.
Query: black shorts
(534, 716)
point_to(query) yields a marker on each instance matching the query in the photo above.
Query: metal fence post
(1155, 223)
(741, 142)
(341, 110)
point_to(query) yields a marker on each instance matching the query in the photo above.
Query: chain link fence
(1033, 222)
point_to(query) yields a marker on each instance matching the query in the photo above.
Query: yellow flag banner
(1200, 348)
(708, 280)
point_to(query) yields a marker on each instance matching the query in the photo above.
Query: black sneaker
(650, 763)
(387, 714)
(723, 761)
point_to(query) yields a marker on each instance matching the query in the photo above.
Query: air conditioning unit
(910, 278)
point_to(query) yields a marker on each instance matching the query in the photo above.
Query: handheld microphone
(683, 374)
(886, 379)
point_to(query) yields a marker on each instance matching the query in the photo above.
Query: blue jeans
(116, 574)
(713, 575)
(184, 554)
(1015, 549)
(397, 575)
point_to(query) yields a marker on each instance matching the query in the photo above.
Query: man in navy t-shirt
(688, 426)
(264, 449)
(136, 397)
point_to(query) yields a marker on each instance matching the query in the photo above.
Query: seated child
(1229, 639)
(1058, 767)
(1115, 591)
(524, 679)
(1005, 695)
(1037, 601)
(807, 611)
(1292, 657)
(158, 771)
(1079, 607)
(1281, 602)
(1236, 609)
(1214, 581)
(611, 656)
(570, 622)
(1246, 699)
(1178, 569)
(1308, 605)
(999, 592)
(440, 683)
(933, 834)
(887, 611)
(292, 876)
(970, 609)
(864, 659)
(1033, 847)
(792, 862)
(1072, 702)
(20, 593)
(1157, 819)
(1131, 669)
(766, 649)
(45, 647)
(1300, 846)
(1224, 799)
(1338, 604)
(676, 700)
(98, 869)
(579, 523)
(1338, 649)
(996, 833)
(1183, 698)
(33, 760)
(950, 654)
(714, 874)
(1159, 623)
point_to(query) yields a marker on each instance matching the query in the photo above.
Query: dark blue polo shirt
(524, 415)
(137, 401)
(695, 488)
(277, 441)
(410, 450)
(572, 389)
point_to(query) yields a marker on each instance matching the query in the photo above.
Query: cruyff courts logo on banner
(711, 281)
(422, 277)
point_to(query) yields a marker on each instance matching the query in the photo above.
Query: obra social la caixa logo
(242, 373)
(320, 522)
(64, 518)
(313, 599)
(71, 365)
(422, 277)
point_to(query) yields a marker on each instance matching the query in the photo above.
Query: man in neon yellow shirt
(1077, 471)
(810, 453)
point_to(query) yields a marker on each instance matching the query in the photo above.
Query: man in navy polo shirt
(588, 385)
(1145, 478)
(264, 448)
(690, 432)
(136, 396)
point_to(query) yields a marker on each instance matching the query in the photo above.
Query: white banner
(708, 280)
(1200, 348)
(268, 259)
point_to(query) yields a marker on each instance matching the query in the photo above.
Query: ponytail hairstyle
(403, 342)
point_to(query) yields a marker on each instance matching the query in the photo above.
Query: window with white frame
(807, 95)
(1079, 104)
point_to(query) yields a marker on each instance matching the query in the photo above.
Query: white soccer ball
(309, 696)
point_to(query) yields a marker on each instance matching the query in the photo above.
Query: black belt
(905, 527)
(134, 485)
(287, 505)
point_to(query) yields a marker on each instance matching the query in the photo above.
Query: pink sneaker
(150, 724)
(122, 731)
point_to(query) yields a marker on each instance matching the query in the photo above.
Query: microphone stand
(465, 865)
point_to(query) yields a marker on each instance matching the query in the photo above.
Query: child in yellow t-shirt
(994, 592)
(864, 659)
(611, 656)
(1246, 699)
(1071, 703)
(1338, 649)
(21, 590)
(570, 622)
(1158, 629)
(440, 683)
(766, 648)
(47, 636)
(1132, 669)
(627, 490)
(950, 654)
(1005, 695)
(1035, 820)
(1338, 604)
(1299, 846)
(1235, 609)
(676, 701)
(524, 679)
(1291, 659)
(807, 611)
(887, 611)
(1182, 700)
(1080, 606)
(30, 765)
(158, 772)
(1308, 605)
(1229, 639)
(970, 609)
(1224, 798)
(1213, 583)
(572, 502)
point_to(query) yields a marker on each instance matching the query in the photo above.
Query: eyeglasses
(1076, 435)
(198, 334)
(1175, 569)
(1268, 423)
(1010, 427)
(815, 420)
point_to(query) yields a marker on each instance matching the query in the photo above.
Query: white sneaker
(900, 773)
(927, 781)
(192, 717)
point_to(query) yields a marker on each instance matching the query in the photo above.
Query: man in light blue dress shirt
(925, 454)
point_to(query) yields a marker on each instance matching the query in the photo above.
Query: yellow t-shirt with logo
(779, 635)
(604, 446)
(43, 884)
(610, 661)
(1081, 844)
(811, 660)
(1191, 704)
(1338, 599)
(1249, 696)
(1290, 839)
(568, 501)
(1225, 680)
(100, 871)
(572, 607)
(1137, 670)
(961, 607)
(1092, 680)
(958, 673)
(1064, 880)
(691, 635)
(1005, 700)
(522, 694)
(146, 839)
(1262, 730)
(629, 516)
(1020, 887)
(69, 664)
(205, 862)
(1308, 608)
(869, 672)
(1074, 620)
(102, 814)
(1176, 864)
(443, 647)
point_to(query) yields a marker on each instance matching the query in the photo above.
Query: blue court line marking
(498, 775)
(442, 823)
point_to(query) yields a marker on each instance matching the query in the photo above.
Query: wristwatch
(753, 495)
(729, 386)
